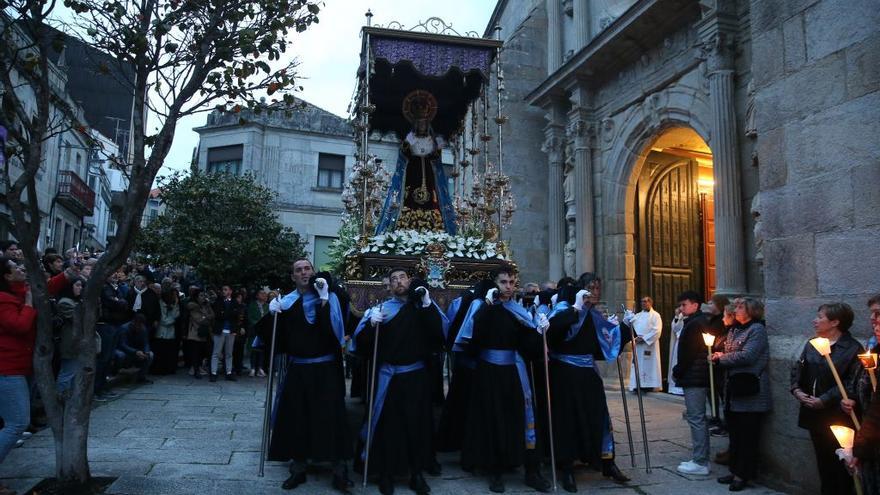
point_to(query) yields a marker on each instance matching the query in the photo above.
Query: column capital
(554, 146)
(581, 128)
(717, 34)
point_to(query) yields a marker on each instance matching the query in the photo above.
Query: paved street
(184, 436)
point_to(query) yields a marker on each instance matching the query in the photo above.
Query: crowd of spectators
(151, 321)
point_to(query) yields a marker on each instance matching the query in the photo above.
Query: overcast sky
(328, 53)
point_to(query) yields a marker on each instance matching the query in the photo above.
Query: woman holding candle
(814, 386)
(866, 450)
(747, 389)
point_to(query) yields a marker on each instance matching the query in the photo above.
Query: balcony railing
(75, 194)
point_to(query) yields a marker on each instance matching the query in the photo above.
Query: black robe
(402, 441)
(495, 429)
(450, 431)
(310, 419)
(580, 413)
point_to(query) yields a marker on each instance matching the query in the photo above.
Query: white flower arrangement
(411, 242)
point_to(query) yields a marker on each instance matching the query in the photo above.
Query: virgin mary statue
(418, 197)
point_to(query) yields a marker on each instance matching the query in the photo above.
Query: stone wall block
(863, 67)
(836, 138)
(767, 55)
(810, 90)
(848, 262)
(866, 194)
(790, 266)
(795, 46)
(833, 25)
(767, 14)
(772, 168)
(792, 317)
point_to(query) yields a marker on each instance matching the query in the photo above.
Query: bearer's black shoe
(386, 485)
(342, 484)
(294, 481)
(538, 482)
(737, 485)
(418, 484)
(434, 468)
(568, 483)
(496, 484)
(610, 470)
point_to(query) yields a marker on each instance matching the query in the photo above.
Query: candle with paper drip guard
(869, 361)
(823, 347)
(846, 437)
(709, 340)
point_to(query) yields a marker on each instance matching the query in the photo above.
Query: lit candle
(709, 339)
(823, 347)
(845, 437)
(869, 361)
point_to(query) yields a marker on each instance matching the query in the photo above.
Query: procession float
(440, 210)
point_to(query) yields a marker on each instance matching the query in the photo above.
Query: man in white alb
(648, 326)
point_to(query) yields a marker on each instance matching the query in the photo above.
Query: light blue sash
(508, 357)
(386, 373)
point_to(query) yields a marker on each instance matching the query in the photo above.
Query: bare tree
(183, 57)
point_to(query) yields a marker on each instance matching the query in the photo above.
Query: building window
(321, 257)
(331, 170)
(225, 159)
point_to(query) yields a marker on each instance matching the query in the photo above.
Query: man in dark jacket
(692, 374)
(112, 322)
(227, 317)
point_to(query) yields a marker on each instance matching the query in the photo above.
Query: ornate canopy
(451, 67)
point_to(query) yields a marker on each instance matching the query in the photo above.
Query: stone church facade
(722, 146)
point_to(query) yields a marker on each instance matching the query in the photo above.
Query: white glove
(628, 316)
(322, 288)
(553, 299)
(275, 305)
(613, 320)
(490, 296)
(426, 296)
(579, 299)
(376, 317)
(543, 323)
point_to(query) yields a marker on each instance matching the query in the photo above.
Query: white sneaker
(693, 468)
(18, 443)
(252, 373)
(689, 461)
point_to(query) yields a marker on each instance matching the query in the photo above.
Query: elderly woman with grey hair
(747, 387)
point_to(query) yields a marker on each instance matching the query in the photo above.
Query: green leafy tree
(180, 58)
(223, 226)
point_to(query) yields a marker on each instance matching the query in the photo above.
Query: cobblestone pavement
(186, 436)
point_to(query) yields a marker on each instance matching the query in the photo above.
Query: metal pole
(639, 395)
(267, 410)
(549, 411)
(632, 454)
(372, 393)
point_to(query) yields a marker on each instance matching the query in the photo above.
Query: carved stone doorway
(675, 234)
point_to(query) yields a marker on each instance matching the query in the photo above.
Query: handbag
(743, 385)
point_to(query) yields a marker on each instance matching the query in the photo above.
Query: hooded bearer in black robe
(500, 431)
(309, 418)
(578, 336)
(410, 329)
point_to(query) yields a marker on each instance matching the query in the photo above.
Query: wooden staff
(267, 410)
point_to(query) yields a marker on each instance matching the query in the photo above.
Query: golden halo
(419, 105)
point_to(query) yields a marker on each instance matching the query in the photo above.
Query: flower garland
(411, 242)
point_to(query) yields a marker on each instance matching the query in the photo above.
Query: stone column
(580, 131)
(554, 146)
(717, 34)
(554, 35)
(582, 34)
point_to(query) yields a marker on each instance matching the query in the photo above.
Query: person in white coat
(648, 326)
(677, 325)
